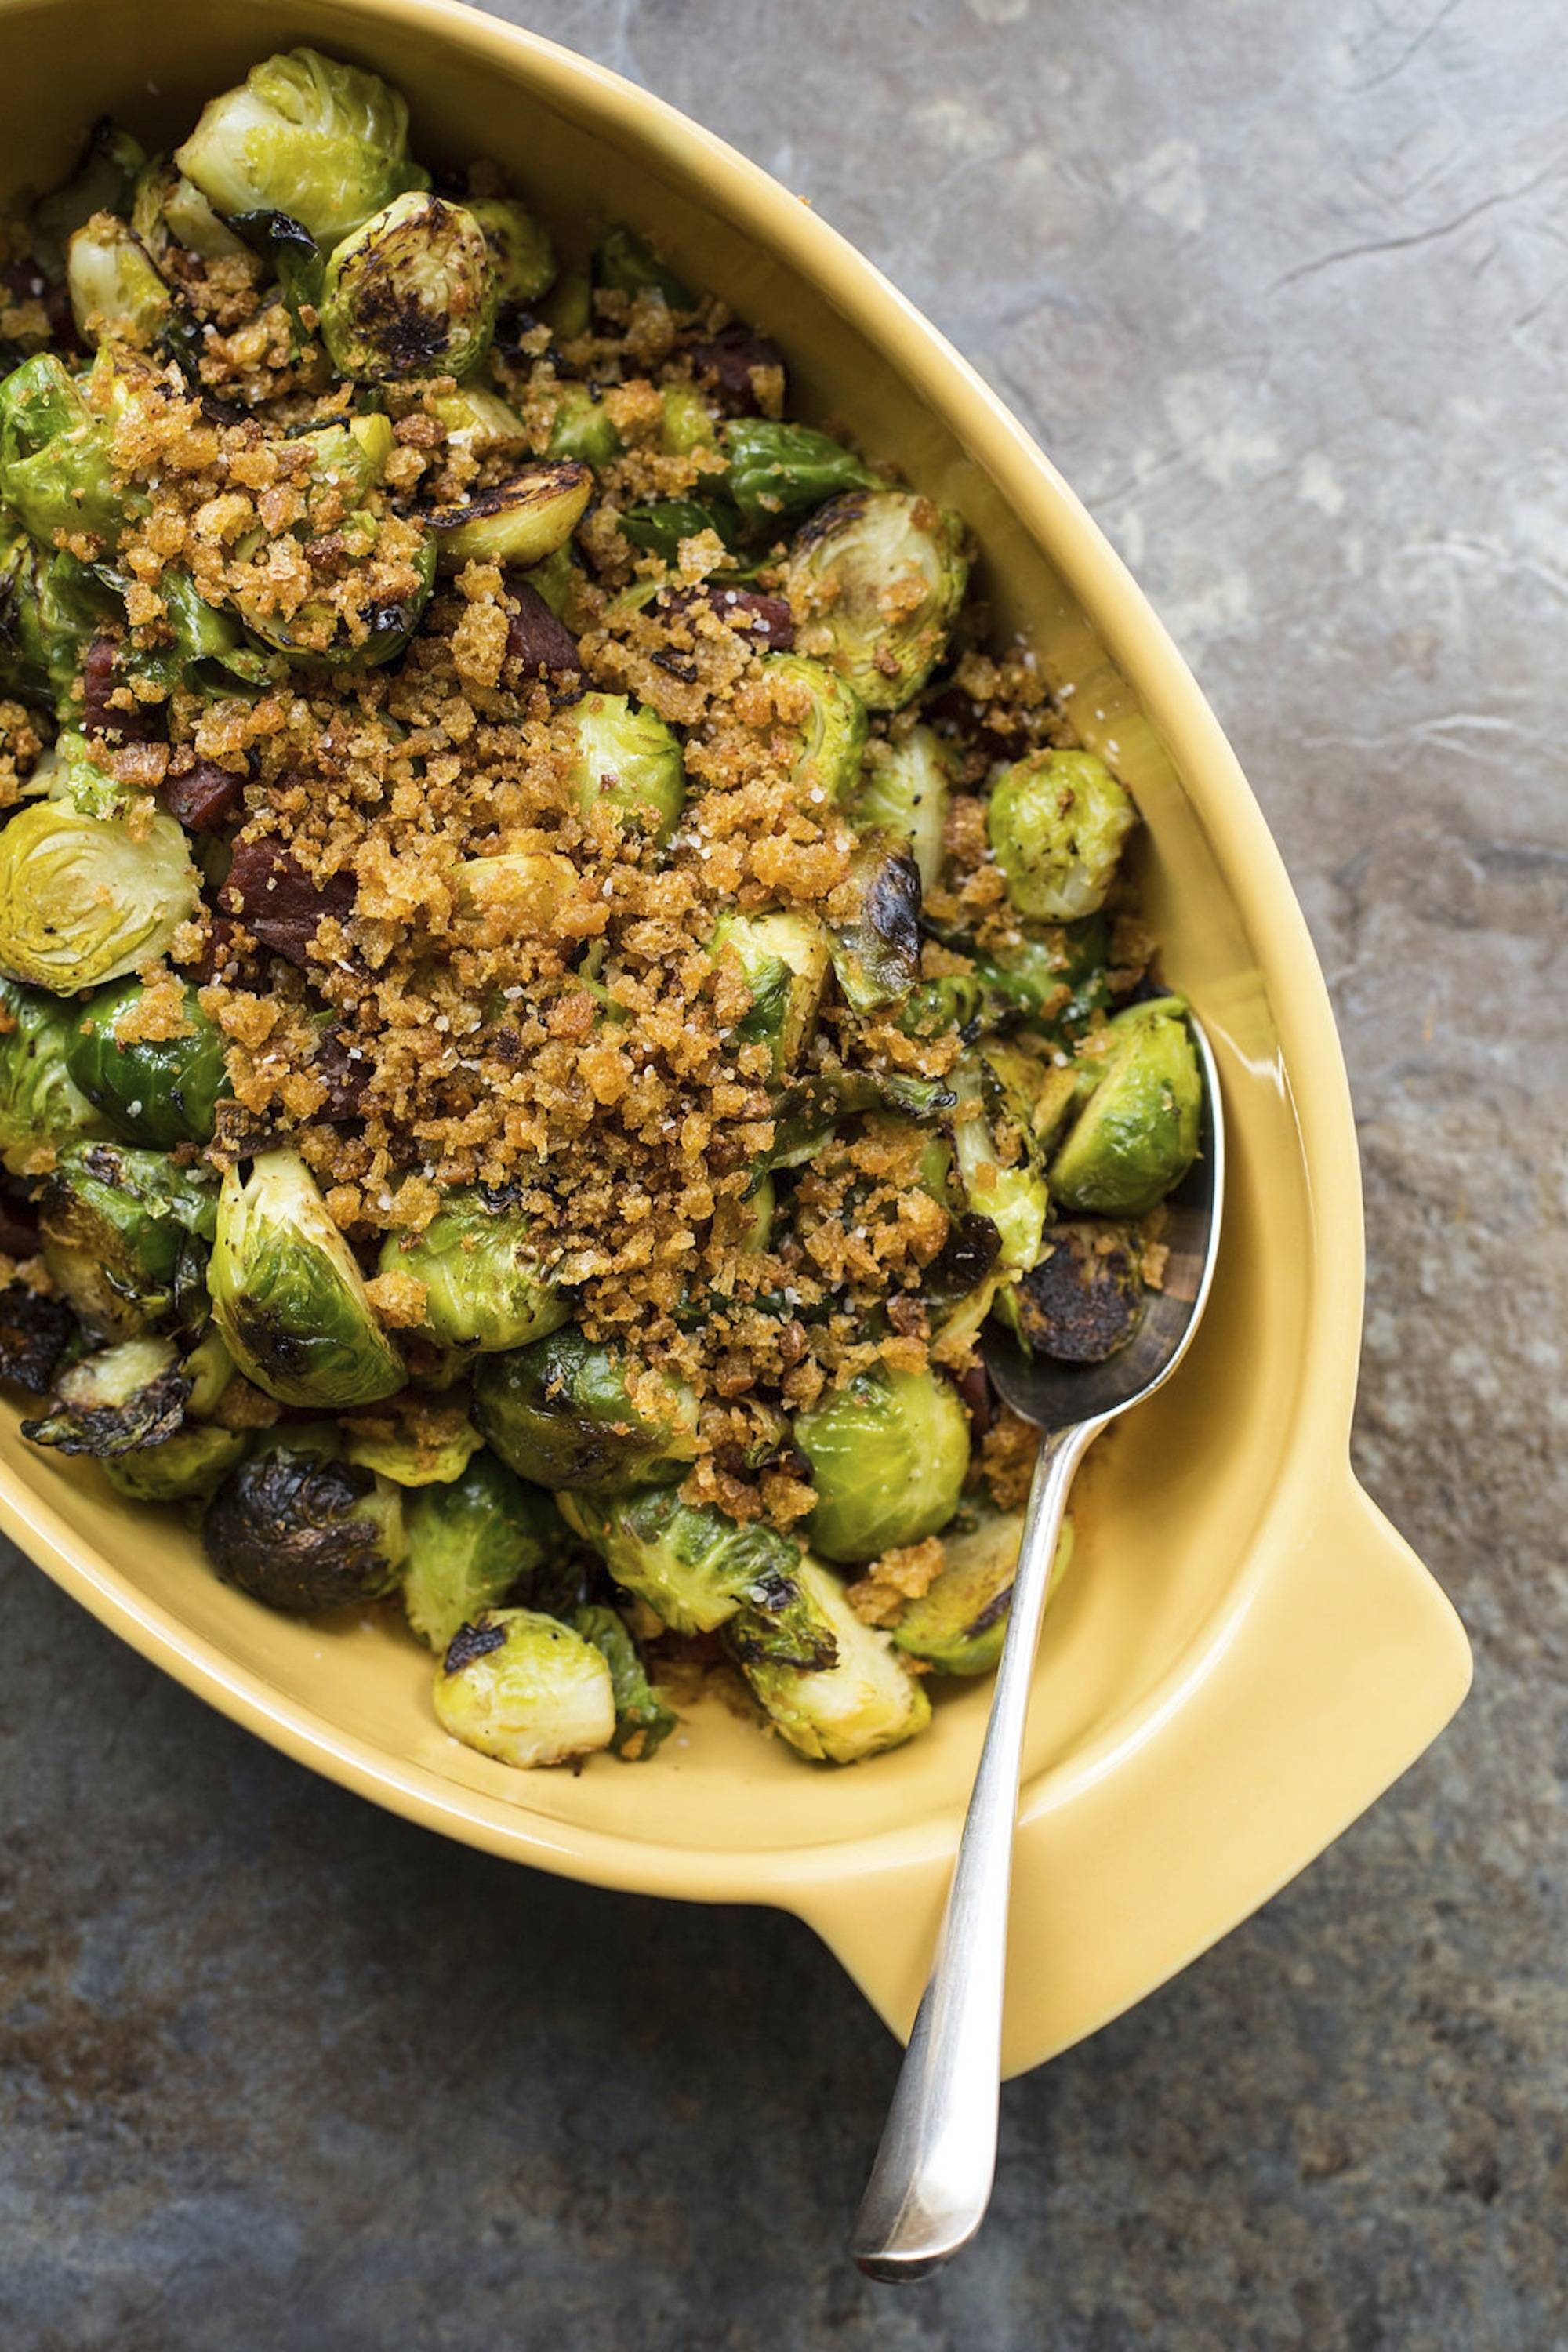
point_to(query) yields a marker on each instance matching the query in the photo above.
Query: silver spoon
(932, 2181)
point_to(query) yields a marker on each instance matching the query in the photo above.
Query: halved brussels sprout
(1138, 1135)
(296, 1526)
(960, 1624)
(996, 1139)
(784, 959)
(480, 423)
(889, 1454)
(827, 719)
(413, 1439)
(410, 292)
(779, 471)
(471, 1542)
(103, 181)
(188, 1467)
(119, 1230)
(521, 890)
(168, 209)
(525, 1689)
(57, 467)
(86, 899)
(861, 1704)
(306, 135)
(876, 946)
(884, 572)
(1057, 822)
(40, 1103)
(115, 290)
(904, 790)
(484, 1290)
(520, 521)
(520, 252)
(36, 1330)
(566, 1413)
(160, 1090)
(626, 758)
(627, 263)
(1084, 1297)
(689, 424)
(125, 1396)
(694, 1566)
(643, 1722)
(582, 427)
(286, 1294)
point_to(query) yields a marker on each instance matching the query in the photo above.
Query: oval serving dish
(1245, 1654)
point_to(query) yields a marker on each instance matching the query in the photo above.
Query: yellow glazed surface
(1246, 1653)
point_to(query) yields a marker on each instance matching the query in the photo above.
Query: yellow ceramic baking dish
(1245, 1654)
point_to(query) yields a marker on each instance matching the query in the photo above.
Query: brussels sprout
(1057, 822)
(162, 1090)
(694, 1566)
(128, 1396)
(625, 263)
(860, 1703)
(827, 720)
(876, 946)
(808, 1112)
(1138, 1135)
(120, 1229)
(57, 470)
(471, 1541)
(210, 649)
(884, 572)
(627, 760)
(36, 1330)
(960, 1624)
(410, 292)
(784, 960)
(209, 1369)
(188, 1467)
(643, 1722)
(287, 1296)
(413, 1439)
(523, 890)
(168, 209)
(51, 608)
(103, 181)
(85, 898)
(520, 521)
(582, 427)
(905, 790)
(305, 134)
(568, 309)
(995, 1136)
(1056, 984)
(115, 290)
(525, 1689)
(889, 1454)
(480, 423)
(688, 424)
(522, 255)
(566, 1413)
(296, 1526)
(1084, 1299)
(40, 1104)
(780, 471)
(484, 1290)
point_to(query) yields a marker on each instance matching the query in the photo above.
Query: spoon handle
(932, 2181)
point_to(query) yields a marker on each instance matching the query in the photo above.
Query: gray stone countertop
(1283, 291)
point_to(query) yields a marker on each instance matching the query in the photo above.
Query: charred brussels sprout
(410, 292)
(84, 900)
(1002, 1096)
(1084, 1297)
(694, 1566)
(296, 1526)
(1057, 822)
(824, 720)
(778, 472)
(484, 1290)
(856, 1705)
(116, 293)
(518, 522)
(627, 264)
(876, 943)
(306, 135)
(124, 1232)
(1138, 1135)
(783, 959)
(129, 1395)
(525, 1689)
(883, 572)
(40, 1104)
(960, 1624)
(188, 1467)
(627, 760)
(889, 1454)
(565, 1413)
(643, 1722)
(57, 470)
(287, 1295)
(905, 791)
(159, 1090)
(471, 1542)
(522, 255)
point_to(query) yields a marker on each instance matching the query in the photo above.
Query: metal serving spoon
(932, 2181)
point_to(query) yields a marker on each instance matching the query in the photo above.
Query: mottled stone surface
(1282, 288)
